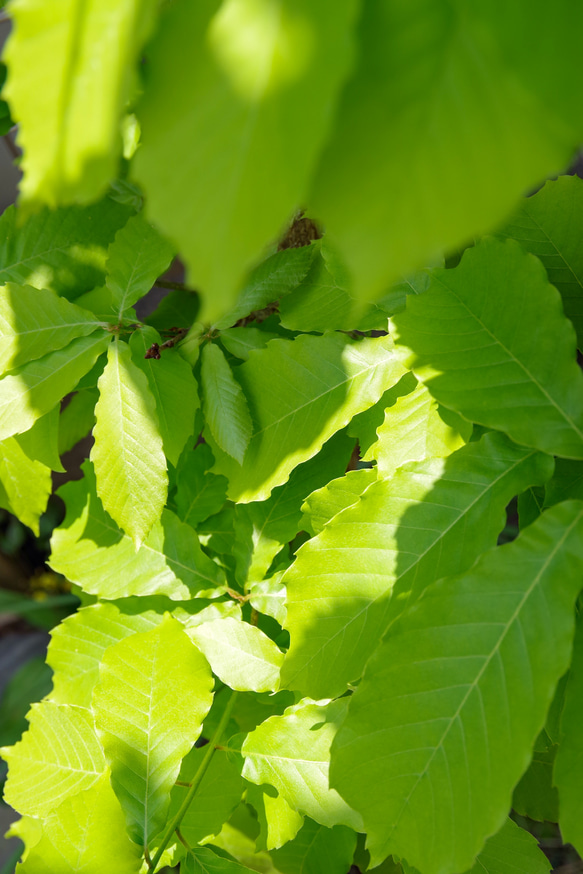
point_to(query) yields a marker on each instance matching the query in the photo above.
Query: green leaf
(174, 389)
(518, 373)
(41, 442)
(129, 462)
(78, 644)
(240, 342)
(224, 404)
(271, 280)
(512, 850)
(179, 309)
(415, 428)
(137, 257)
(63, 250)
(69, 128)
(364, 426)
(34, 389)
(269, 597)
(73, 842)
(568, 772)
(566, 483)
(90, 550)
(530, 505)
(469, 122)
(456, 695)
(217, 796)
(77, 419)
(272, 523)
(325, 503)
(241, 655)
(549, 225)
(279, 823)
(34, 322)
(201, 860)
(300, 392)
(58, 756)
(245, 120)
(535, 795)
(154, 692)
(292, 753)
(27, 483)
(431, 519)
(199, 493)
(31, 682)
(316, 849)
(322, 302)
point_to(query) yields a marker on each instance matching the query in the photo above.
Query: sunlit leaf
(27, 483)
(490, 340)
(448, 708)
(136, 258)
(130, 466)
(153, 693)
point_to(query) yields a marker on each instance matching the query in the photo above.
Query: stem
(202, 769)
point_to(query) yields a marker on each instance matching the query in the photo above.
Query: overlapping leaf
(79, 642)
(153, 693)
(41, 442)
(35, 322)
(568, 774)
(59, 756)
(301, 392)
(69, 128)
(199, 493)
(469, 122)
(246, 119)
(130, 466)
(137, 257)
(225, 407)
(292, 753)
(174, 389)
(491, 341)
(316, 849)
(77, 419)
(278, 822)
(202, 860)
(89, 549)
(62, 250)
(431, 519)
(36, 387)
(443, 724)
(325, 503)
(549, 224)
(322, 302)
(241, 655)
(512, 850)
(73, 842)
(217, 796)
(27, 483)
(535, 795)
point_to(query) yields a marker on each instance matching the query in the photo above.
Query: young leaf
(69, 128)
(34, 322)
(241, 655)
(453, 148)
(41, 442)
(199, 493)
(174, 389)
(271, 74)
(292, 753)
(34, 389)
(137, 257)
(90, 550)
(217, 796)
(58, 756)
(549, 224)
(27, 483)
(431, 519)
(224, 404)
(568, 774)
(153, 694)
(62, 250)
(301, 392)
(202, 860)
(78, 644)
(325, 503)
(129, 462)
(269, 596)
(77, 419)
(316, 849)
(518, 373)
(456, 695)
(73, 837)
(416, 427)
